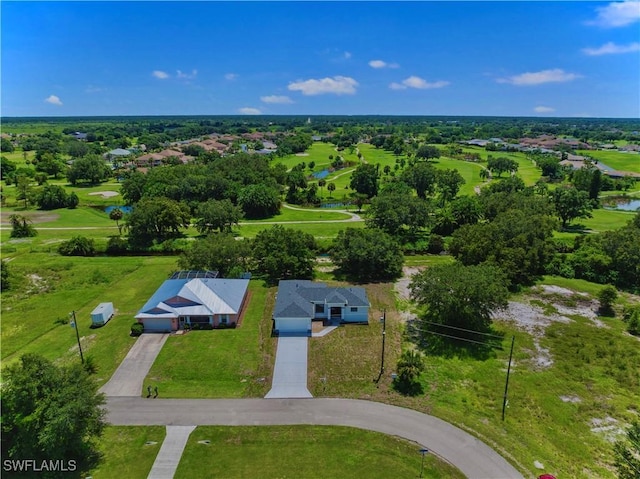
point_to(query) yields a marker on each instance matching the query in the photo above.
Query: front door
(335, 312)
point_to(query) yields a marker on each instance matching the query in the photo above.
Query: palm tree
(116, 214)
(331, 187)
(321, 184)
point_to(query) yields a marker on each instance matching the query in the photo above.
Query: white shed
(102, 314)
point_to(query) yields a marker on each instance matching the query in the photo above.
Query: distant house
(117, 154)
(203, 301)
(78, 135)
(299, 302)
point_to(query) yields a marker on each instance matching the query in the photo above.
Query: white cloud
(617, 14)
(337, 85)
(611, 49)
(382, 64)
(231, 76)
(282, 99)
(159, 74)
(347, 55)
(249, 111)
(54, 100)
(555, 75)
(187, 76)
(417, 82)
(544, 109)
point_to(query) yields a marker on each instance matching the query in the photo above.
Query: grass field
(615, 159)
(228, 363)
(303, 452)
(126, 452)
(47, 287)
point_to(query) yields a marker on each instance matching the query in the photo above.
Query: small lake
(321, 174)
(124, 209)
(624, 204)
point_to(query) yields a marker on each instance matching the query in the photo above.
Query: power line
(452, 337)
(461, 329)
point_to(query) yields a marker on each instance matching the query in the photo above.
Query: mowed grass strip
(304, 452)
(223, 362)
(615, 159)
(47, 287)
(126, 453)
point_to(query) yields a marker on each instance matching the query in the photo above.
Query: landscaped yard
(304, 452)
(129, 451)
(223, 362)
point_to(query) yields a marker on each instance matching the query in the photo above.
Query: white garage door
(157, 325)
(295, 326)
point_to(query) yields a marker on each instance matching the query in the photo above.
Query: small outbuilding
(102, 314)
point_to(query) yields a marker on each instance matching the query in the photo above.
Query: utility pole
(506, 386)
(74, 325)
(384, 335)
(423, 452)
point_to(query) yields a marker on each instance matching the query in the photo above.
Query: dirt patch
(607, 427)
(105, 194)
(402, 285)
(302, 154)
(34, 216)
(572, 399)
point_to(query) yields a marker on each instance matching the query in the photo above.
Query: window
(354, 309)
(199, 319)
(224, 318)
(319, 308)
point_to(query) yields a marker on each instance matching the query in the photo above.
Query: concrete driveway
(128, 378)
(473, 457)
(290, 370)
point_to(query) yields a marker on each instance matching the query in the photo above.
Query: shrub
(72, 200)
(631, 316)
(436, 244)
(137, 329)
(90, 365)
(607, 296)
(117, 245)
(77, 246)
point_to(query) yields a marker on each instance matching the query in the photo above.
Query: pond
(321, 174)
(622, 203)
(124, 209)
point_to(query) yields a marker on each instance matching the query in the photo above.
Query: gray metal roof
(296, 298)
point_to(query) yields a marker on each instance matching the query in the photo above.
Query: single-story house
(202, 301)
(298, 302)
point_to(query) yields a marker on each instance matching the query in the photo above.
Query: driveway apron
(170, 453)
(290, 371)
(128, 378)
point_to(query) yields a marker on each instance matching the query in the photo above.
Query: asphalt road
(473, 457)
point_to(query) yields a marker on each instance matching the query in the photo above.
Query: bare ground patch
(105, 194)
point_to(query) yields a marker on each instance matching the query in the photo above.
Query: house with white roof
(192, 302)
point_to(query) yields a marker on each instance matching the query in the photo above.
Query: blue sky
(503, 58)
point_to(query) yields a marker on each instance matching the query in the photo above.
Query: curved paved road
(474, 458)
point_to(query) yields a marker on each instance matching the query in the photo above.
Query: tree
(331, 187)
(51, 412)
(21, 227)
(519, 243)
(156, 218)
(410, 366)
(322, 183)
(427, 152)
(116, 215)
(7, 167)
(217, 215)
(394, 210)
(259, 201)
(550, 166)
(364, 180)
(52, 197)
(367, 254)
(24, 190)
(91, 168)
(6, 146)
(50, 164)
(421, 177)
(133, 187)
(283, 253)
(77, 246)
(459, 296)
(449, 183)
(571, 203)
(607, 296)
(501, 165)
(631, 316)
(218, 252)
(627, 453)
(72, 200)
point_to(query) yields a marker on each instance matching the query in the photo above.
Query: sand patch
(34, 216)
(105, 194)
(302, 154)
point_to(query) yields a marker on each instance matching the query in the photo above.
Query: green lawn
(221, 363)
(126, 452)
(302, 214)
(615, 159)
(304, 452)
(47, 287)
(603, 220)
